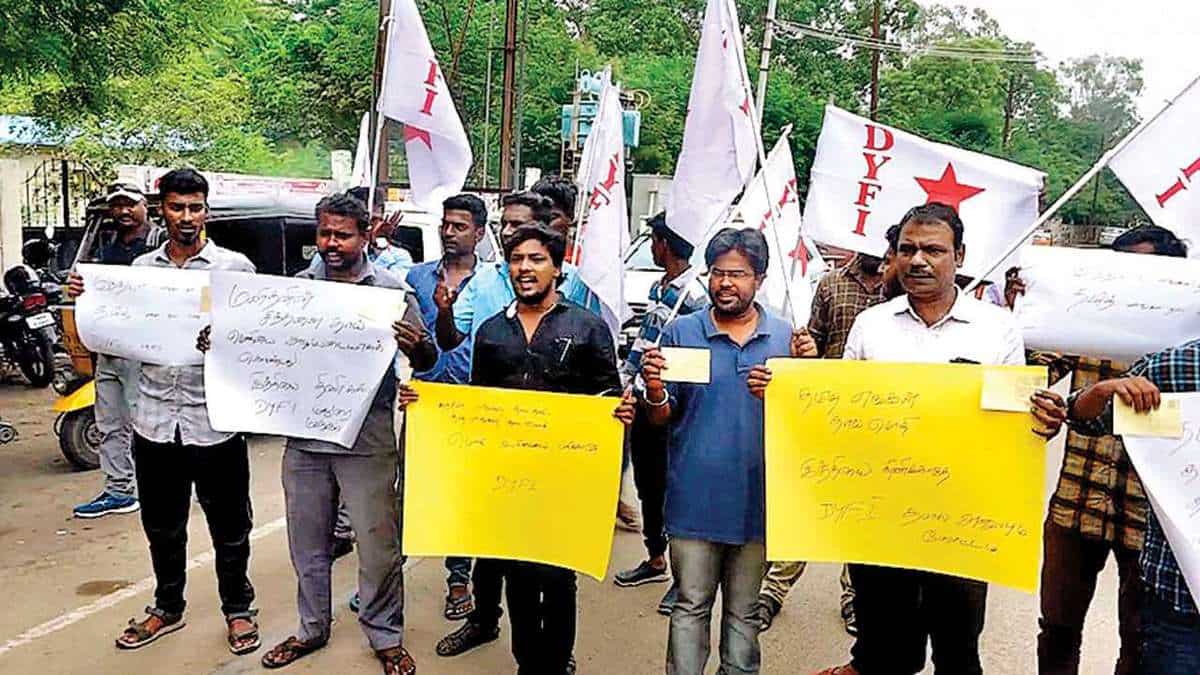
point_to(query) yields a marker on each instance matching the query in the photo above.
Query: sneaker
(644, 573)
(107, 504)
(342, 546)
(667, 604)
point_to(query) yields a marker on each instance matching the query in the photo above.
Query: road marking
(116, 597)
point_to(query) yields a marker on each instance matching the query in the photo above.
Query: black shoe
(667, 604)
(463, 640)
(644, 573)
(342, 546)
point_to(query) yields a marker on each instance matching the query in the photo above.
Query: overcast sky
(1164, 34)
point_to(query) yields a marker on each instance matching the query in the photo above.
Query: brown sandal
(397, 661)
(138, 634)
(288, 651)
(243, 641)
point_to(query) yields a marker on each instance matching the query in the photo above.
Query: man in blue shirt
(715, 506)
(464, 218)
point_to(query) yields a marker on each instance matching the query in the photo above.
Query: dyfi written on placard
(296, 357)
(899, 465)
(505, 473)
(148, 314)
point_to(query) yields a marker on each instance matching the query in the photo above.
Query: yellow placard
(1166, 422)
(1009, 388)
(685, 364)
(896, 464)
(505, 473)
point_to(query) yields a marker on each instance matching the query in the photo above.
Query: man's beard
(536, 298)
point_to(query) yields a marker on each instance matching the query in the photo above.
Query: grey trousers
(116, 391)
(312, 482)
(700, 567)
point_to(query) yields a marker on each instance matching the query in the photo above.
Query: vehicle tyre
(37, 360)
(79, 439)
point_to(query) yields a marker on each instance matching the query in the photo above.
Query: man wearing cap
(116, 378)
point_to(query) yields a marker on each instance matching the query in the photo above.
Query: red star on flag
(801, 254)
(413, 133)
(947, 190)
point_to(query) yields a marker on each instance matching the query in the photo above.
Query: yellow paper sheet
(205, 299)
(503, 473)
(687, 365)
(1166, 422)
(896, 464)
(1009, 388)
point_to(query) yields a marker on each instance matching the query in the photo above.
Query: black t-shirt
(571, 352)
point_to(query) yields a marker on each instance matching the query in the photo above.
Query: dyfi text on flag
(718, 153)
(1161, 168)
(604, 231)
(414, 93)
(867, 175)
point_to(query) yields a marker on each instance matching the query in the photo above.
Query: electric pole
(508, 104)
(875, 64)
(764, 61)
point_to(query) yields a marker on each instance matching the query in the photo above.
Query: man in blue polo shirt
(715, 507)
(464, 218)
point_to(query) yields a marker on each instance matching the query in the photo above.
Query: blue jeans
(459, 571)
(1170, 640)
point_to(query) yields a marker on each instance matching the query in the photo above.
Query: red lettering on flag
(413, 133)
(879, 144)
(603, 190)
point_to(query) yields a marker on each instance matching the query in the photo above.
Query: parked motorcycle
(27, 327)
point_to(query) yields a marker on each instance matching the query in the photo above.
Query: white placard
(296, 357)
(1170, 472)
(147, 314)
(1106, 304)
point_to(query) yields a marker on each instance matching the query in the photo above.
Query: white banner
(604, 232)
(1107, 304)
(413, 91)
(793, 266)
(1161, 168)
(296, 357)
(147, 314)
(1170, 472)
(718, 152)
(867, 175)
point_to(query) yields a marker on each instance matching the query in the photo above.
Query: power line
(941, 51)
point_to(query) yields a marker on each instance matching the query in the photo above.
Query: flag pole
(1078, 186)
(384, 31)
(756, 121)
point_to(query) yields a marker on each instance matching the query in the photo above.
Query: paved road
(69, 586)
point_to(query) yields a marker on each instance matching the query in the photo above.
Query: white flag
(718, 153)
(866, 176)
(772, 199)
(1161, 168)
(361, 175)
(604, 232)
(414, 93)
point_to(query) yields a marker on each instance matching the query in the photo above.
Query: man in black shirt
(543, 342)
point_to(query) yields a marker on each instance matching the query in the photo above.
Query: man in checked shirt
(1098, 506)
(1169, 639)
(175, 447)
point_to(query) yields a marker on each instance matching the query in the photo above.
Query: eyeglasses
(735, 275)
